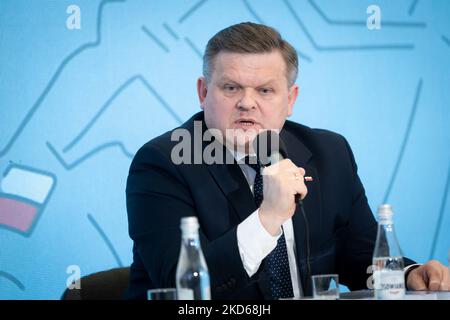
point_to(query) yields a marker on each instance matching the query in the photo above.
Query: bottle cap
(385, 214)
(189, 224)
(385, 210)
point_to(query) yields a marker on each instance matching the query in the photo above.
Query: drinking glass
(162, 294)
(325, 286)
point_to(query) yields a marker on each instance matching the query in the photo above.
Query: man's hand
(432, 276)
(282, 181)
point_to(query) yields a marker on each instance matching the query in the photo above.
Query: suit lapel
(228, 177)
(233, 184)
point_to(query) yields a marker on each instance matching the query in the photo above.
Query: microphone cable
(308, 247)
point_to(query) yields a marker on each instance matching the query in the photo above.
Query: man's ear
(202, 90)
(293, 94)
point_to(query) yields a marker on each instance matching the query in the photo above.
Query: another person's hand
(432, 276)
(281, 181)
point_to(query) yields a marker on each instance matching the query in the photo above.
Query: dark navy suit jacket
(159, 193)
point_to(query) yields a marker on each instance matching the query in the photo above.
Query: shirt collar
(239, 156)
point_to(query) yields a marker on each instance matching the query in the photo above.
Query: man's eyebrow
(226, 79)
(268, 82)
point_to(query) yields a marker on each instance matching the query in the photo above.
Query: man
(256, 242)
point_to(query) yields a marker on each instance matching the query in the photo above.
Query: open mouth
(246, 123)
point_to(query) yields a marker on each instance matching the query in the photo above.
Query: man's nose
(247, 100)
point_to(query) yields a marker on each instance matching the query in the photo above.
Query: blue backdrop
(76, 104)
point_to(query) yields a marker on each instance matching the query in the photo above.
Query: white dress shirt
(255, 243)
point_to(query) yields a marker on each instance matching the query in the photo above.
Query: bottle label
(185, 294)
(389, 284)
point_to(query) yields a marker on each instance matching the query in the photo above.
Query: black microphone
(270, 149)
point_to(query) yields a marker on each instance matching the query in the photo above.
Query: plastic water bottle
(389, 277)
(192, 276)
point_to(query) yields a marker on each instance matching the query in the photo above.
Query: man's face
(246, 93)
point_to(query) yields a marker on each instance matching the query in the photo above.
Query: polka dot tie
(277, 262)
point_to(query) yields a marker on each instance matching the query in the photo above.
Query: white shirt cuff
(254, 242)
(406, 269)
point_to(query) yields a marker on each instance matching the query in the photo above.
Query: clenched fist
(281, 181)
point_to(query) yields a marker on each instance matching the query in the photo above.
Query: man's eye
(265, 90)
(230, 88)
